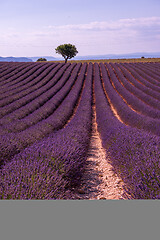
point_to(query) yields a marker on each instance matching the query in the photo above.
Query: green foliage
(41, 59)
(67, 51)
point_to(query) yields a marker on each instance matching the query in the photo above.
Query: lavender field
(46, 114)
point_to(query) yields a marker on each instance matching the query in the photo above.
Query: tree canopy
(41, 59)
(67, 51)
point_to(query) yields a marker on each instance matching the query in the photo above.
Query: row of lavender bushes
(12, 143)
(9, 82)
(133, 153)
(146, 74)
(51, 167)
(10, 66)
(27, 80)
(128, 116)
(8, 70)
(35, 81)
(21, 99)
(132, 100)
(47, 105)
(154, 67)
(21, 84)
(3, 67)
(152, 93)
(134, 87)
(25, 105)
(149, 71)
(8, 74)
(140, 78)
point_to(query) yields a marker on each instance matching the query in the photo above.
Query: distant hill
(105, 56)
(118, 56)
(15, 59)
(88, 57)
(49, 58)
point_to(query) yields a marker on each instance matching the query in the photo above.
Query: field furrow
(29, 82)
(47, 108)
(141, 87)
(125, 113)
(141, 79)
(10, 69)
(146, 76)
(22, 79)
(149, 71)
(134, 154)
(46, 117)
(131, 99)
(43, 79)
(68, 146)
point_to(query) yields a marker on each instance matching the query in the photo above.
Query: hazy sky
(37, 27)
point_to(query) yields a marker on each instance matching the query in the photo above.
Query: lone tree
(41, 59)
(67, 51)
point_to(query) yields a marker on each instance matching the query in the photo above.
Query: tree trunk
(66, 58)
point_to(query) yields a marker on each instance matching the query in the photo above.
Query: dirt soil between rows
(99, 182)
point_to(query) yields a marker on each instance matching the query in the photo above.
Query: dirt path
(99, 181)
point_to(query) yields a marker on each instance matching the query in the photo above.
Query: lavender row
(36, 99)
(134, 154)
(141, 79)
(151, 72)
(11, 143)
(27, 80)
(128, 116)
(155, 67)
(50, 80)
(146, 79)
(65, 112)
(58, 94)
(3, 67)
(153, 96)
(145, 75)
(8, 79)
(42, 80)
(50, 168)
(9, 67)
(127, 81)
(132, 100)
(19, 79)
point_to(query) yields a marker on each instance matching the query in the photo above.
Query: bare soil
(99, 181)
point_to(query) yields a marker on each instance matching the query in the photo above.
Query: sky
(96, 27)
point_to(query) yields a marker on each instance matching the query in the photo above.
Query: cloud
(120, 36)
(134, 34)
(111, 25)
